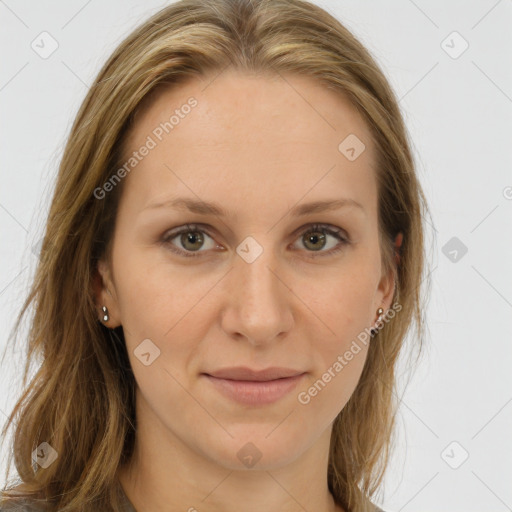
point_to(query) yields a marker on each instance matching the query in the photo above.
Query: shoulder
(15, 500)
(23, 506)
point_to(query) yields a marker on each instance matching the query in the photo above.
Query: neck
(166, 475)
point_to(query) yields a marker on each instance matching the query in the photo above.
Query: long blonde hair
(81, 399)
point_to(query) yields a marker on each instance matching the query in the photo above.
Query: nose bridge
(259, 306)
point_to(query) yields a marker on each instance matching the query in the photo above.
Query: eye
(191, 238)
(316, 238)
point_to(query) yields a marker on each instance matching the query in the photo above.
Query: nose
(259, 305)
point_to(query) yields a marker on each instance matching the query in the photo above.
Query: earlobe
(388, 289)
(98, 282)
(104, 300)
(389, 282)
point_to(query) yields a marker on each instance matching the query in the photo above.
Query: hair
(81, 399)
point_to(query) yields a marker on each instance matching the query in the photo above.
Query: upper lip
(244, 373)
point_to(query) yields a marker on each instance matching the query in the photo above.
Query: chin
(254, 449)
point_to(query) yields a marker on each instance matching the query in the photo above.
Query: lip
(255, 387)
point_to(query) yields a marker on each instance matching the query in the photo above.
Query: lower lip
(253, 392)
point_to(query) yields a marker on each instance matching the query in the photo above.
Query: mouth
(255, 387)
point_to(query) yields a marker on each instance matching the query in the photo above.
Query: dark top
(128, 506)
(31, 506)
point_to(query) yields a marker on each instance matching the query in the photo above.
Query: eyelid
(329, 229)
(186, 228)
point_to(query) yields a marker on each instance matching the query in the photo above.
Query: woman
(232, 260)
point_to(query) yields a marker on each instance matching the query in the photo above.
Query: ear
(105, 294)
(385, 290)
(387, 282)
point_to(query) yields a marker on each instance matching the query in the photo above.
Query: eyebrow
(208, 208)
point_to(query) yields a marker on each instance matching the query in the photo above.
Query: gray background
(458, 109)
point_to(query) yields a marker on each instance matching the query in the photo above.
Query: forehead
(250, 136)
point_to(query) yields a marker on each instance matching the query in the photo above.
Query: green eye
(192, 239)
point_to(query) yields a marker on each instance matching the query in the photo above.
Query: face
(234, 316)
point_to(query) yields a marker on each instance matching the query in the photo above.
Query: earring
(105, 314)
(375, 330)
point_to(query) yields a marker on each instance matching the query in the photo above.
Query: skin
(258, 148)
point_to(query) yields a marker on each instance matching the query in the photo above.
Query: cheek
(151, 292)
(329, 389)
(164, 304)
(343, 304)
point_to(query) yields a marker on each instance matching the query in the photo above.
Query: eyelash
(324, 228)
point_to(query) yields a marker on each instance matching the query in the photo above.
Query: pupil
(192, 238)
(314, 239)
